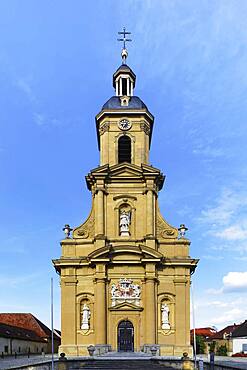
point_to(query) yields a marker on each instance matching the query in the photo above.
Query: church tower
(125, 272)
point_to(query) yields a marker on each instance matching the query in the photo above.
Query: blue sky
(56, 64)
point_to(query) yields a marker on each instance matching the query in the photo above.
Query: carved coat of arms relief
(125, 291)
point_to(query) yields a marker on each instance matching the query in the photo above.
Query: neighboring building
(19, 340)
(223, 338)
(204, 334)
(34, 327)
(125, 273)
(239, 338)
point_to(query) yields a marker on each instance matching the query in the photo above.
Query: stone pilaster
(150, 212)
(150, 311)
(100, 310)
(182, 311)
(68, 300)
(100, 212)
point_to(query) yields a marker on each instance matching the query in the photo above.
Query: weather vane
(124, 39)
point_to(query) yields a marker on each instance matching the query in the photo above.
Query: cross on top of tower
(124, 52)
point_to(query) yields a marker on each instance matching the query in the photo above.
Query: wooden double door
(125, 336)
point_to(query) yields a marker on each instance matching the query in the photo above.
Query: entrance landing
(125, 356)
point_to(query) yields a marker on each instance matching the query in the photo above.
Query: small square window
(6, 349)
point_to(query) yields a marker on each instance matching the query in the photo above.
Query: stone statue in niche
(85, 317)
(124, 223)
(165, 311)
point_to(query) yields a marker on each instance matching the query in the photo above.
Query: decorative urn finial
(67, 230)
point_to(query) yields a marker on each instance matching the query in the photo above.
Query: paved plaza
(10, 362)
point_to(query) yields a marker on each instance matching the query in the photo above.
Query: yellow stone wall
(152, 256)
(110, 133)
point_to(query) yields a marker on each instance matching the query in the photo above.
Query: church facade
(125, 272)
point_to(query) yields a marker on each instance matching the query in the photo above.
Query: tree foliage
(221, 350)
(200, 344)
(212, 346)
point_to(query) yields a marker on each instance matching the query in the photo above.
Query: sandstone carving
(164, 230)
(86, 230)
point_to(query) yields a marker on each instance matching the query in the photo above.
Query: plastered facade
(97, 256)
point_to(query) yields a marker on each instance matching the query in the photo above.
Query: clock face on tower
(124, 124)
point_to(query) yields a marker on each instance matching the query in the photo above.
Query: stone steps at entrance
(122, 364)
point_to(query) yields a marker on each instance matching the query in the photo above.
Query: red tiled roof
(204, 332)
(26, 321)
(9, 331)
(227, 330)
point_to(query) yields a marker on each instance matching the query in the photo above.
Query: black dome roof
(115, 103)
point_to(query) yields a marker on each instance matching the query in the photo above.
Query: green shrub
(212, 347)
(200, 344)
(221, 350)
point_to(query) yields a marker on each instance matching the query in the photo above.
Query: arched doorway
(125, 336)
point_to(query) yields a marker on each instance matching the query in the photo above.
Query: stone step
(122, 365)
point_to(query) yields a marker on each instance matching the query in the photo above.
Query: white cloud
(235, 315)
(225, 221)
(220, 312)
(235, 281)
(209, 151)
(39, 119)
(14, 281)
(42, 120)
(227, 205)
(224, 305)
(26, 88)
(241, 258)
(213, 291)
(212, 257)
(234, 232)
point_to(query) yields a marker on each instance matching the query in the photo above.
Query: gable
(139, 253)
(126, 306)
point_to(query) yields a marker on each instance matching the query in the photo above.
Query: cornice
(141, 173)
(122, 111)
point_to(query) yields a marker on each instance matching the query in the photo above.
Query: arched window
(124, 86)
(124, 149)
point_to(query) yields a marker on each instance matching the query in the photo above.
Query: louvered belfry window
(124, 149)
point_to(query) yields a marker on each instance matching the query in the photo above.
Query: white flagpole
(193, 318)
(52, 335)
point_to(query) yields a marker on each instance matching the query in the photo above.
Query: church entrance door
(125, 336)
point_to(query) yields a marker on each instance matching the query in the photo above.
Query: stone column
(150, 213)
(100, 311)
(121, 86)
(100, 212)
(128, 87)
(150, 308)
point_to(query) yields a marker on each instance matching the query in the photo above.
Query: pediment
(126, 169)
(115, 252)
(125, 306)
